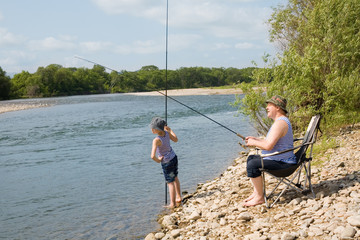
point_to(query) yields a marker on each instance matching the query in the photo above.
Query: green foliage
(5, 85)
(324, 144)
(319, 68)
(55, 80)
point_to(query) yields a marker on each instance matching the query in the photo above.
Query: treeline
(55, 80)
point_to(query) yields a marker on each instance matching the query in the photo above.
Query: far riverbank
(15, 105)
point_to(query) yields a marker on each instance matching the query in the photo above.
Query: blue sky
(129, 34)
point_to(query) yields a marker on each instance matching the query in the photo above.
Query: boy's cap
(157, 123)
(278, 101)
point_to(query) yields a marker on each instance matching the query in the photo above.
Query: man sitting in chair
(279, 138)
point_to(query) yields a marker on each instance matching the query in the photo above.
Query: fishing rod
(95, 63)
(166, 74)
(167, 96)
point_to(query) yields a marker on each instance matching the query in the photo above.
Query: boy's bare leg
(177, 191)
(172, 194)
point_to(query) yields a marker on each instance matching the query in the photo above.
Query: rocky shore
(215, 211)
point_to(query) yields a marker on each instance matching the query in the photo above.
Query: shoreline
(191, 91)
(14, 106)
(215, 211)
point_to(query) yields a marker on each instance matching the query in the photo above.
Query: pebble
(214, 211)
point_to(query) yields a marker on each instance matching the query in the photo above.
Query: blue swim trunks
(170, 169)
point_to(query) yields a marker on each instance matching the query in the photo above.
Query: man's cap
(278, 101)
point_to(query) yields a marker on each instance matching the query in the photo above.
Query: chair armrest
(297, 139)
(287, 150)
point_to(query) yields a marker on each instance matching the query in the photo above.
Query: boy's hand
(166, 128)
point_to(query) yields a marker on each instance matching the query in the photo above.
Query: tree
(64, 82)
(18, 84)
(47, 82)
(319, 68)
(5, 85)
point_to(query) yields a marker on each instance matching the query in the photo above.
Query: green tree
(18, 84)
(47, 82)
(152, 78)
(64, 82)
(5, 85)
(319, 67)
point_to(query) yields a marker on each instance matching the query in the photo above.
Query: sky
(130, 34)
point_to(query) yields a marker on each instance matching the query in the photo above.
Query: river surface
(81, 168)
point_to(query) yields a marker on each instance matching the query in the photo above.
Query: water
(81, 169)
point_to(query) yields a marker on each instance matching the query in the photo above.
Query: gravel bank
(214, 211)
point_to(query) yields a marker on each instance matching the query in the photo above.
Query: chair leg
(287, 182)
(308, 177)
(264, 189)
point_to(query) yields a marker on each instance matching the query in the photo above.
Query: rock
(295, 201)
(159, 235)
(150, 236)
(320, 195)
(278, 216)
(254, 236)
(175, 233)
(245, 216)
(222, 221)
(168, 220)
(348, 233)
(354, 221)
(287, 236)
(195, 215)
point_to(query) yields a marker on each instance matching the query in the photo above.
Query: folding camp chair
(303, 163)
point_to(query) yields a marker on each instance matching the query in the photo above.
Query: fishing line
(166, 76)
(238, 134)
(166, 97)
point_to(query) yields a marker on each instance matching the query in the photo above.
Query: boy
(167, 158)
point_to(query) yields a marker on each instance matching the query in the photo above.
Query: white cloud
(244, 45)
(226, 19)
(132, 7)
(51, 43)
(140, 47)
(7, 38)
(178, 42)
(14, 60)
(96, 46)
(219, 46)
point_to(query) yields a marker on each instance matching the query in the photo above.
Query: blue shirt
(284, 143)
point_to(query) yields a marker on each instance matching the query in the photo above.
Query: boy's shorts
(170, 169)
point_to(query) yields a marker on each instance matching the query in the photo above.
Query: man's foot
(250, 197)
(254, 202)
